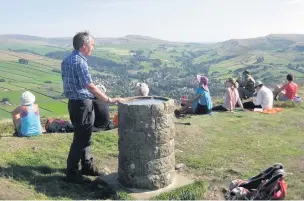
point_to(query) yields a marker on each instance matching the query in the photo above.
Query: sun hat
(27, 98)
(203, 81)
(258, 83)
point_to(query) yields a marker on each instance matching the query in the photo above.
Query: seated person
(201, 103)
(246, 85)
(286, 92)
(141, 89)
(231, 98)
(264, 98)
(102, 113)
(26, 117)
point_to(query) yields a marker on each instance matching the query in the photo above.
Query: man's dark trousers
(82, 117)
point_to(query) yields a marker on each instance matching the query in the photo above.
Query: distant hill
(226, 48)
(129, 39)
(270, 42)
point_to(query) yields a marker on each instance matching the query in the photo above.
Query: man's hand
(120, 100)
(117, 100)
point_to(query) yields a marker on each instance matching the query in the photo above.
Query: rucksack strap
(267, 189)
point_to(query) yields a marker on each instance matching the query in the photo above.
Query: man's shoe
(90, 169)
(110, 126)
(77, 178)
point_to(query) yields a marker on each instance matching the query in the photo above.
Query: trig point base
(139, 194)
(146, 143)
(146, 160)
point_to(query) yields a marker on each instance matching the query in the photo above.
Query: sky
(174, 20)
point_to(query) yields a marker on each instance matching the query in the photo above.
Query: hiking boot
(75, 177)
(90, 169)
(110, 126)
(15, 134)
(177, 113)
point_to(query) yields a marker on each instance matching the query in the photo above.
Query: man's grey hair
(80, 38)
(142, 89)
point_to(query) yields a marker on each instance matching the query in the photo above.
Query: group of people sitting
(245, 87)
(26, 117)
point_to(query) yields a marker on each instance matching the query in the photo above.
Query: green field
(33, 77)
(37, 48)
(58, 108)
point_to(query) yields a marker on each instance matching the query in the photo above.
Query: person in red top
(286, 92)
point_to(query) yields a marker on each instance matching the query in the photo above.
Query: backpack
(268, 185)
(58, 126)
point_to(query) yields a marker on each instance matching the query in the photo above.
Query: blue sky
(175, 20)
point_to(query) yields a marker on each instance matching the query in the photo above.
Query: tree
(5, 99)
(156, 62)
(23, 61)
(2, 80)
(56, 70)
(139, 52)
(260, 59)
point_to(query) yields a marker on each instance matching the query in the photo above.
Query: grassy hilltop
(215, 149)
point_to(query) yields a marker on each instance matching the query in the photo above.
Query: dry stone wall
(146, 145)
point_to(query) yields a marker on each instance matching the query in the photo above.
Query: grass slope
(32, 77)
(216, 149)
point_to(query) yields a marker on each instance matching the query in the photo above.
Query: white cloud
(300, 13)
(289, 2)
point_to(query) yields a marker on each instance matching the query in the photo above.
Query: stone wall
(146, 145)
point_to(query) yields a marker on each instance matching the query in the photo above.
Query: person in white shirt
(142, 89)
(264, 98)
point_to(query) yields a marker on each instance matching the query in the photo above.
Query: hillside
(168, 67)
(270, 42)
(216, 149)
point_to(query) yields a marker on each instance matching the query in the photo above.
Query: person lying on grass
(264, 98)
(26, 117)
(201, 103)
(231, 98)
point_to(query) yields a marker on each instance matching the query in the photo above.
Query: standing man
(80, 90)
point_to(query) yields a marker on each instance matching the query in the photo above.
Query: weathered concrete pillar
(146, 144)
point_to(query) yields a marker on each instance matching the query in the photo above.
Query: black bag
(58, 126)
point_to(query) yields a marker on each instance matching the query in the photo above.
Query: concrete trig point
(146, 162)
(146, 143)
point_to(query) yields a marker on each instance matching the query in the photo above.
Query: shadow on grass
(51, 183)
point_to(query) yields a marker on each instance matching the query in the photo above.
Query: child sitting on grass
(232, 97)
